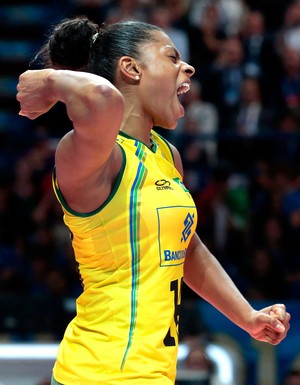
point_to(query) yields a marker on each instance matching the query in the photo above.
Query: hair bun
(69, 44)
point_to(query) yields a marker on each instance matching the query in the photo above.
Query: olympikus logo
(163, 184)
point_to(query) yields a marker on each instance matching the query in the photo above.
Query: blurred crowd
(239, 142)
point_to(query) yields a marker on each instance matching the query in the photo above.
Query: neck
(136, 126)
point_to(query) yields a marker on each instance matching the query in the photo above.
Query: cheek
(160, 100)
(159, 92)
(161, 75)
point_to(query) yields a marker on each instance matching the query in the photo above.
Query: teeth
(185, 87)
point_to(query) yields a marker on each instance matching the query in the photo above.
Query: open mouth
(183, 88)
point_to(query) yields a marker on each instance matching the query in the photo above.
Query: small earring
(137, 77)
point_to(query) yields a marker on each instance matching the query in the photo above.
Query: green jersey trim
(109, 198)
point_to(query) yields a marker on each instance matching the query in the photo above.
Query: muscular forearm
(204, 274)
(89, 99)
(85, 95)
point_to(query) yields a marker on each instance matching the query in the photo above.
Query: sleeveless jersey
(130, 254)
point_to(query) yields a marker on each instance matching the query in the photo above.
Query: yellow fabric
(130, 254)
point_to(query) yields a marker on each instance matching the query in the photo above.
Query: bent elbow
(110, 96)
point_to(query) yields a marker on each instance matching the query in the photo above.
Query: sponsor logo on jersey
(188, 223)
(176, 255)
(163, 184)
(171, 255)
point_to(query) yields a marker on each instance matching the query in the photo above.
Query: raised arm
(87, 156)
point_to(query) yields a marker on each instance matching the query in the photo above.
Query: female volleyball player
(131, 218)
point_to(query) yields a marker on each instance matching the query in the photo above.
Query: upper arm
(96, 111)
(96, 114)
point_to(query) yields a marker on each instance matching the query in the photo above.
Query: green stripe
(62, 201)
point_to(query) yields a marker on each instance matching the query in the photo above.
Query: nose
(188, 69)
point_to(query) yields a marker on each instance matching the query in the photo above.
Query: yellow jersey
(130, 254)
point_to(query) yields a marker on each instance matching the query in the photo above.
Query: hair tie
(94, 38)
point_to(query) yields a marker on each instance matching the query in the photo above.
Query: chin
(174, 125)
(164, 127)
(169, 121)
(168, 125)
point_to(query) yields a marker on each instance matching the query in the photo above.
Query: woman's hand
(270, 324)
(33, 93)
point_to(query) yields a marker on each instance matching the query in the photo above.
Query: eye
(174, 58)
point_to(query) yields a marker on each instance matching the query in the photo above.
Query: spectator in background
(213, 211)
(268, 186)
(273, 11)
(270, 258)
(234, 249)
(252, 116)
(125, 10)
(264, 274)
(273, 240)
(230, 14)
(161, 16)
(222, 86)
(290, 81)
(201, 121)
(179, 11)
(289, 33)
(206, 34)
(287, 146)
(253, 38)
(194, 157)
(24, 196)
(259, 56)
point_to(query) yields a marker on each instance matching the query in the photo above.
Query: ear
(129, 69)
